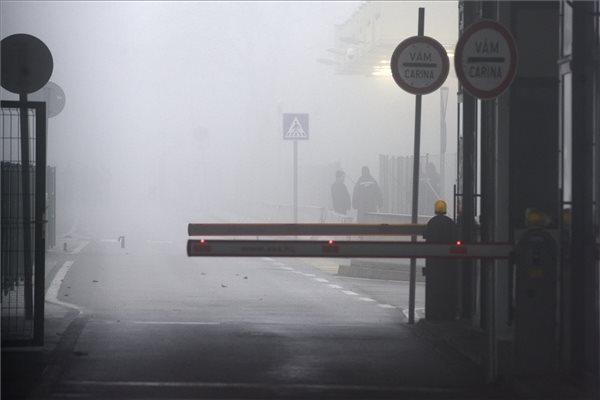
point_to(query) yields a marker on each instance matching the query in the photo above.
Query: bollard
(65, 246)
(122, 240)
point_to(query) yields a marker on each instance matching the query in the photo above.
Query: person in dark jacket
(339, 194)
(366, 196)
(441, 274)
(440, 228)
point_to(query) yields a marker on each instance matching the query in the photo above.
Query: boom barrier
(344, 249)
(331, 248)
(203, 247)
(304, 229)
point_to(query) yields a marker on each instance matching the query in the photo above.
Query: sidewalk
(461, 339)
(23, 368)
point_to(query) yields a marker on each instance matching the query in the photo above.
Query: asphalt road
(151, 323)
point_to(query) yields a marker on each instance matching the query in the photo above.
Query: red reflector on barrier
(458, 249)
(201, 247)
(330, 249)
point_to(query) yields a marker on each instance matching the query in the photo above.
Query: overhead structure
(364, 42)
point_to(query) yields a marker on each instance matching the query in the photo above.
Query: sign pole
(415, 188)
(25, 193)
(295, 206)
(419, 66)
(295, 127)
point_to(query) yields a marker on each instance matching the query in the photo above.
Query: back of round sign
(54, 97)
(26, 63)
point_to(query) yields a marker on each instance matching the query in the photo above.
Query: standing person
(339, 194)
(366, 196)
(441, 274)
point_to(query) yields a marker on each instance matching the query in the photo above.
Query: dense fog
(173, 109)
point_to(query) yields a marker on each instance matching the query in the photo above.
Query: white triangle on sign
(296, 130)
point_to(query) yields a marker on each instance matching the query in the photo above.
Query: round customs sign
(420, 65)
(485, 59)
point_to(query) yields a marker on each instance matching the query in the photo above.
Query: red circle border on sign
(458, 53)
(433, 43)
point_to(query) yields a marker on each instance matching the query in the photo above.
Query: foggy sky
(181, 100)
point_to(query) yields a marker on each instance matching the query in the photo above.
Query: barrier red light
(458, 248)
(330, 241)
(199, 246)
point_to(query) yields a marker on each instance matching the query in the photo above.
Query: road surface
(152, 323)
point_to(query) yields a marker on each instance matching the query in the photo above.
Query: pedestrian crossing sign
(295, 126)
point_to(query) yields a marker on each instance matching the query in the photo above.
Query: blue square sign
(295, 126)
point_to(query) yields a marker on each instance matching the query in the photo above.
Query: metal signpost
(54, 97)
(485, 59)
(419, 66)
(295, 127)
(26, 66)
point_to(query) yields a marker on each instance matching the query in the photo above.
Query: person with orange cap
(441, 279)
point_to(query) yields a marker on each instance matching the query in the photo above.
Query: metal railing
(22, 208)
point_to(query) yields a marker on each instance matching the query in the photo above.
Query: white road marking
(297, 272)
(349, 292)
(322, 280)
(52, 292)
(174, 323)
(366, 299)
(287, 268)
(109, 241)
(80, 247)
(417, 317)
(28, 349)
(309, 275)
(386, 306)
(335, 286)
(54, 288)
(279, 264)
(267, 259)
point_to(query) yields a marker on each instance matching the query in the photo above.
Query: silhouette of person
(366, 196)
(440, 228)
(339, 194)
(434, 179)
(441, 286)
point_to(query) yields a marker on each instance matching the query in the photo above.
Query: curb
(378, 269)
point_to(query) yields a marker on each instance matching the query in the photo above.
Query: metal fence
(435, 182)
(51, 207)
(22, 208)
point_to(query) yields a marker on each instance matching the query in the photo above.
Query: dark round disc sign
(26, 63)
(53, 96)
